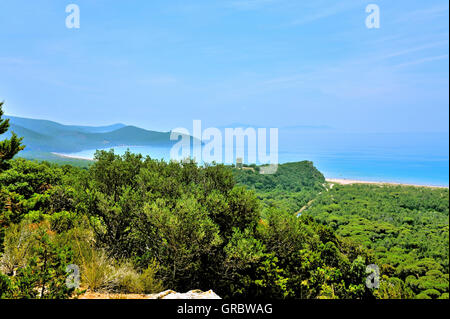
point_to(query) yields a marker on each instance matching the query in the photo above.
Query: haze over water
(410, 158)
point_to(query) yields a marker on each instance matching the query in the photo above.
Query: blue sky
(160, 64)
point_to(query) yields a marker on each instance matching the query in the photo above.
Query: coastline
(73, 157)
(343, 181)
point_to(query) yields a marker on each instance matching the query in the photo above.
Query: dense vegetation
(55, 159)
(170, 224)
(291, 187)
(406, 227)
(138, 225)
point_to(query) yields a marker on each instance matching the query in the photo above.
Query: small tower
(239, 162)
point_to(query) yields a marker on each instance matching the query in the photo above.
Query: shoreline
(344, 181)
(73, 157)
(341, 181)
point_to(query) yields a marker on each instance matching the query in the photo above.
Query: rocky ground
(168, 294)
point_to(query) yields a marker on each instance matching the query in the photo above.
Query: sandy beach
(341, 181)
(351, 181)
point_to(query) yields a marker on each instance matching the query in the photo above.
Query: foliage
(290, 188)
(8, 147)
(406, 227)
(44, 273)
(138, 225)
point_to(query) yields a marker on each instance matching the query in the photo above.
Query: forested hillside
(290, 188)
(407, 228)
(137, 225)
(50, 127)
(47, 136)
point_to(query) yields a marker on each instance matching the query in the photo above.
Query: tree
(42, 271)
(181, 239)
(8, 147)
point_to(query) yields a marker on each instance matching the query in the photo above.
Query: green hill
(50, 127)
(290, 188)
(290, 177)
(48, 136)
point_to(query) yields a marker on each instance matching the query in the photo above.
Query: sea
(406, 157)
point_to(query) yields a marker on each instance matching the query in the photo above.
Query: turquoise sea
(412, 158)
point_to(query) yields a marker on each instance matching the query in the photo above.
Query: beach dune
(343, 181)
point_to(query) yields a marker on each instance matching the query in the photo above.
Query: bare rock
(193, 294)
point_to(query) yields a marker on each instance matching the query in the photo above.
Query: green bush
(150, 283)
(18, 247)
(44, 274)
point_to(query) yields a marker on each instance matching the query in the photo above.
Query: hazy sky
(160, 64)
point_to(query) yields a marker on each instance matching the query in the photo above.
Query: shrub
(18, 244)
(444, 296)
(42, 273)
(432, 293)
(149, 281)
(102, 273)
(5, 285)
(128, 279)
(97, 273)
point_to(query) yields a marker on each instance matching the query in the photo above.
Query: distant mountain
(51, 127)
(49, 136)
